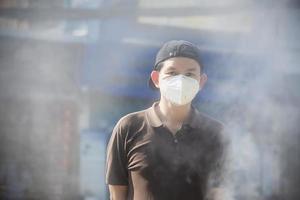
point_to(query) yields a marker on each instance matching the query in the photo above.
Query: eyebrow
(190, 69)
(171, 68)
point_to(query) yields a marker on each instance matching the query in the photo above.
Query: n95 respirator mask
(179, 89)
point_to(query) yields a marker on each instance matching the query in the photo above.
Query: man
(169, 151)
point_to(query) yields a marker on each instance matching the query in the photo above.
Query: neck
(173, 113)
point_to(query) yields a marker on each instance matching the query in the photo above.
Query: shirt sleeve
(219, 179)
(116, 162)
(222, 164)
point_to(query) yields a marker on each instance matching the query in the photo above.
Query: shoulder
(131, 120)
(212, 128)
(216, 130)
(207, 122)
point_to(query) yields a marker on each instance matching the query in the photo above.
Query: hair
(161, 64)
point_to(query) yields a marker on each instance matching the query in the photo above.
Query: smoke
(256, 80)
(264, 110)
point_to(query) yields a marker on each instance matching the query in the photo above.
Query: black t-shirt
(157, 165)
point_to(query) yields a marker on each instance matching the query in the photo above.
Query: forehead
(181, 63)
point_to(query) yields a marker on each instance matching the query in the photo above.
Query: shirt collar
(192, 120)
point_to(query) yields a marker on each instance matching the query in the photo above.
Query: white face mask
(179, 89)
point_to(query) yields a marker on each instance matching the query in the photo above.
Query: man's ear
(203, 79)
(155, 78)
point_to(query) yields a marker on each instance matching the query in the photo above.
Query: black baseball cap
(176, 48)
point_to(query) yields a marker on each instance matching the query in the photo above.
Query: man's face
(179, 65)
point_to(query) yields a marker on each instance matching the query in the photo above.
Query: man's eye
(189, 74)
(172, 73)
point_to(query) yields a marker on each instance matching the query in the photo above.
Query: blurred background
(69, 69)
